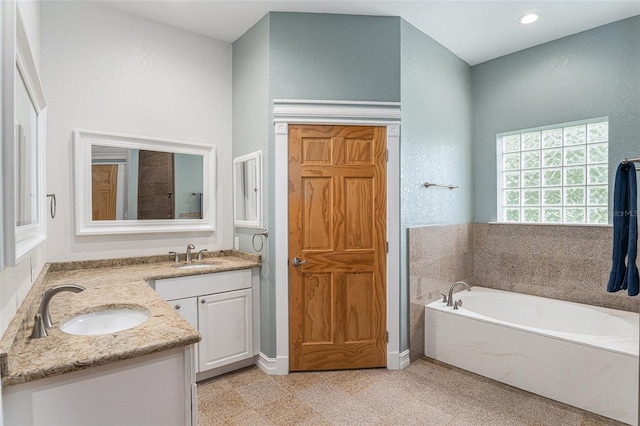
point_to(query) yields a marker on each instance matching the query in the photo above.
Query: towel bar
(430, 184)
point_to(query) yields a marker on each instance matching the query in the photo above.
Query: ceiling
(475, 30)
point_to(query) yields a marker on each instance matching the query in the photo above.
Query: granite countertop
(115, 283)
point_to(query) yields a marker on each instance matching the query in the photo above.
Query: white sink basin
(194, 265)
(105, 322)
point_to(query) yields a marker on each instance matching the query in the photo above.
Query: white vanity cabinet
(224, 308)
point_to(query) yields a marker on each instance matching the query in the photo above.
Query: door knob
(297, 261)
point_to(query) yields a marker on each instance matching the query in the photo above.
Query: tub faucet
(43, 318)
(188, 255)
(450, 298)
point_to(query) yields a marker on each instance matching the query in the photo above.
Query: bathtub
(581, 355)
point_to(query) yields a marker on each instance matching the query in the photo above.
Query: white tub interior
(581, 355)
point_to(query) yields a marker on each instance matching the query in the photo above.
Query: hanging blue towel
(624, 274)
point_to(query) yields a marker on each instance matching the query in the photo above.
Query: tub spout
(450, 298)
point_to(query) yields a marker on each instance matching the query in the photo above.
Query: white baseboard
(405, 359)
(273, 366)
(266, 364)
(280, 365)
(398, 361)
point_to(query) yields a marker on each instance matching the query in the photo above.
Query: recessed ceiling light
(529, 18)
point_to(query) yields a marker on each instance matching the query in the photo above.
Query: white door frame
(287, 111)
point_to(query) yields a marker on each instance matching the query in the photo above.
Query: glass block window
(555, 174)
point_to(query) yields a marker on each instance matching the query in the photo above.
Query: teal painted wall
(592, 74)
(436, 143)
(337, 57)
(251, 128)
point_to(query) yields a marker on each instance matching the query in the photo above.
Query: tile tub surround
(559, 262)
(556, 261)
(108, 283)
(439, 255)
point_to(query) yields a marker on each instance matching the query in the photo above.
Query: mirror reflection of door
(156, 185)
(104, 184)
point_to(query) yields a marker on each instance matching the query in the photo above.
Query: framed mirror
(135, 184)
(247, 190)
(25, 200)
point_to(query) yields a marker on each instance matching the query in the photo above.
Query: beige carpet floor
(425, 393)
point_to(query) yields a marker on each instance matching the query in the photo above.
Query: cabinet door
(187, 308)
(225, 321)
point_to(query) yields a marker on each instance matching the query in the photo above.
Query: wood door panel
(359, 152)
(317, 193)
(358, 215)
(316, 151)
(317, 298)
(346, 261)
(352, 356)
(359, 309)
(337, 222)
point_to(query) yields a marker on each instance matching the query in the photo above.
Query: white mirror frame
(19, 241)
(257, 156)
(85, 225)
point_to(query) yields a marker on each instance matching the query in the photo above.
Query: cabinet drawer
(197, 285)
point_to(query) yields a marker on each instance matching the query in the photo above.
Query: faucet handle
(444, 297)
(39, 330)
(201, 254)
(176, 258)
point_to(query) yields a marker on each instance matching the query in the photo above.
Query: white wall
(106, 70)
(31, 12)
(15, 282)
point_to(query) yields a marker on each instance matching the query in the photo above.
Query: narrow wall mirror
(136, 184)
(25, 218)
(247, 190)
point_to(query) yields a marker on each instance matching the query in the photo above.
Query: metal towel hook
(53, 206)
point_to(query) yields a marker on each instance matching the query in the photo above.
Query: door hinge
(387, 246)
(387, 156)
(387, 337)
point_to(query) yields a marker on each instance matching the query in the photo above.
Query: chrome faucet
(188, 255)
(450, 298)
(43, 318)
(201, 254)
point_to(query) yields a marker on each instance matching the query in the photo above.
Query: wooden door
(104, 183)
(337, 224)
